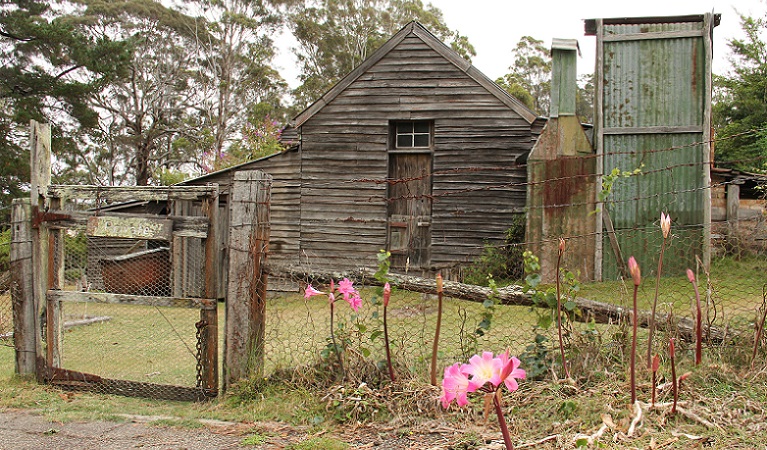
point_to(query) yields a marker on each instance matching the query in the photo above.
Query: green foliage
(255, 439)
(536, 358)
(319, 443)
(503, 263)
(740, 104)
(5, 250)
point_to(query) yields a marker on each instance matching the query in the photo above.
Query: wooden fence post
(40, 179)
(249, 229)
(209, 312)
(25, 319)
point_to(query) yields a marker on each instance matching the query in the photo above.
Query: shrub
(503, 262)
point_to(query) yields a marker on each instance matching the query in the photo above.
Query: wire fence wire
(147, 343)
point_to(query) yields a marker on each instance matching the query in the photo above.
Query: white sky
(495, 26)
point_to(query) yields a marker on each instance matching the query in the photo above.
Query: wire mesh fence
(6, 305)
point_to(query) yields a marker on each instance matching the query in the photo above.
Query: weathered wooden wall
(476, 186)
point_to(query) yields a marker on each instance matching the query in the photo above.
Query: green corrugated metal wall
(654, 88)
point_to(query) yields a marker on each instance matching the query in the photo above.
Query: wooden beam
(654, 35)
(113, 194)
(125, 299)
(512, 295)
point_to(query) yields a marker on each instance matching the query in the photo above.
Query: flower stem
(633, 355)
(502, 422)
(674, 381)
(654, 305)
(698, 323)
(386, 341)
(559, 319)
(336, 350)
(435, 345)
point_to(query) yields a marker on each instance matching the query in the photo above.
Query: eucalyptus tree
(143, 113)
(236, 83)
(740, 101)
(335, 36)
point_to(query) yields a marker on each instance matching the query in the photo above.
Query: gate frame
(44, 223)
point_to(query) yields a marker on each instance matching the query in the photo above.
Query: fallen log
(514, 295)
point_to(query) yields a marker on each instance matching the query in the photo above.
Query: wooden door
(409, 212)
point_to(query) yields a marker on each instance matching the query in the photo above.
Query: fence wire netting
(128, 321)
(6, 304)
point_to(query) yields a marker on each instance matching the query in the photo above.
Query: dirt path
(25, 430)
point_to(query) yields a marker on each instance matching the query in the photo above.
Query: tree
(529, 80)
(740, 102)
(50, 67)
(335, 36)
(237, 84)
(529, 77)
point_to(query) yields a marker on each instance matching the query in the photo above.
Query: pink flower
(483, 369)
(311, 292)
(346, 288)
(455, 385)
(690, 276)
(354, 301)
(511, 371)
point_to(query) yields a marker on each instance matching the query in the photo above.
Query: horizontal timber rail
(125, 299)
(132, 193)
(183, 226)
(512, 295)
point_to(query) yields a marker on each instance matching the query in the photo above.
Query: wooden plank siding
(477, 188)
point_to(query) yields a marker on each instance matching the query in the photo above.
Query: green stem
(336, 350)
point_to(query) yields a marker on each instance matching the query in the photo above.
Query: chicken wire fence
(124, 315)
(140, 342)
(732, 294)
(6, 305)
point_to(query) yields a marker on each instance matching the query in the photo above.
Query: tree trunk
(513, 295)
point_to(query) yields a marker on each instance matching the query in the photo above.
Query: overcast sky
(495, 26)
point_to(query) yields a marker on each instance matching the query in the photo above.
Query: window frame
(394, 135)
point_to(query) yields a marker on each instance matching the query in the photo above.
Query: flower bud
(655, 363)
(671, 347)
(665, 224)
(690, 276)
(561, 246)
(439, 283)
(386, 294)
(636, 274)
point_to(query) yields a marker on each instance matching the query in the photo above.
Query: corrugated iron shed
(653, 113)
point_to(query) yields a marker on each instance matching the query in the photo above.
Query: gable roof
(435, 44)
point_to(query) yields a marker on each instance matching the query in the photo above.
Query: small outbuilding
(415, 152)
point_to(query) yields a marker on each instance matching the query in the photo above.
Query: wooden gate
(409, 212)
(97, 245)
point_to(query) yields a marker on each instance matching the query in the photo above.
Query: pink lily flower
(346, 288)
(665, 224)
(485, 368)
(455, 385)
(354, 301)
(311, 292)
(511, 371)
